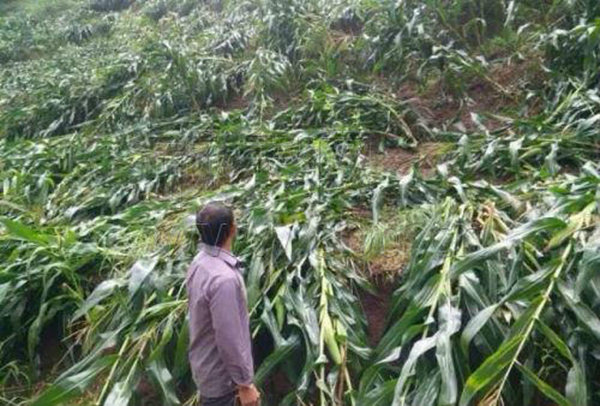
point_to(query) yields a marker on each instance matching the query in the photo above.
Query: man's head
(216, 224)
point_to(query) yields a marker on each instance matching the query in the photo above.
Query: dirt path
(376, 307)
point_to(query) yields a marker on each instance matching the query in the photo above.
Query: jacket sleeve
(231, 338)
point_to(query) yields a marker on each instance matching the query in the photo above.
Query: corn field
(416, 183)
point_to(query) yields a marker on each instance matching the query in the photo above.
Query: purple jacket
(220, 351)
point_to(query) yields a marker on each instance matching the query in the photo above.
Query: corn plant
(118, 119)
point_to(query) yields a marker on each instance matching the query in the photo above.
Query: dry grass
(426, 156)
(386, 262)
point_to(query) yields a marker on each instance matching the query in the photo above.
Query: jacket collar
(221, 253)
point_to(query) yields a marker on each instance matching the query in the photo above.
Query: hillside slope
(416, 182)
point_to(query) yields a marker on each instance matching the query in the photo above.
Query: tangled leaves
(118, 118)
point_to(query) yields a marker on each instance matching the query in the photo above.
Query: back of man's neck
(226, 245)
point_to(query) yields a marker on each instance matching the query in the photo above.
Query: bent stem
(536, 315)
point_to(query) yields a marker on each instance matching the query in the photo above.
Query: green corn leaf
(285, 236)
(161, 374)
(475, 325)
(427, 389)
(576, 388)
(101, 292)
(558, 343)
(588, 266)
(381, 396)
(68, 387)
(122, 392)
(253, 280)
(491, 370)
(4, 291)
(517, 235)
(418, 349)
(530, 285)
(543, 387)
(180, 362)
(22, 232)
(275, 358)
(584, 314)
(377, 199)
(139, 272)
(449, 325)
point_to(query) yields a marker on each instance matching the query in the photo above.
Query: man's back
(220, 353)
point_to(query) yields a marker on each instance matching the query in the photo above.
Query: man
(220, 348)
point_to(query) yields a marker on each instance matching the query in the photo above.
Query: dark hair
(215, 223)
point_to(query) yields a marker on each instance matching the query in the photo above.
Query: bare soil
(277, 386)
(400, 160)
(501, 90)
(386, 266)
(376, 307)
(237, 102)
(382, 271)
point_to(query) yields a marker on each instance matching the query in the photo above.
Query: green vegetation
(462, 136)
